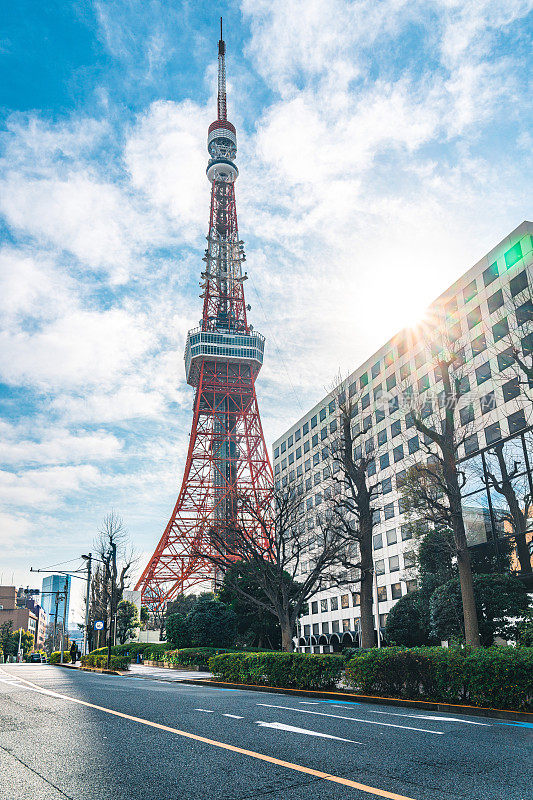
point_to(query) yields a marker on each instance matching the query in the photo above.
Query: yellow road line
(251, 753)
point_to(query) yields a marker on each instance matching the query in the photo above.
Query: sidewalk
(160, 673)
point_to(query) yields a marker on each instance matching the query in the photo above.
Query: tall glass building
(52, 584)
(487, 314)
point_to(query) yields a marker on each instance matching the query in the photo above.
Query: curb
(426, 705)
(88, 669)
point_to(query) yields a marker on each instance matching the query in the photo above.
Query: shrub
(499, 677)
(212, 623)
(408, 621)
(98, 659)
(287, 670)
(177, 631)
(55, 657)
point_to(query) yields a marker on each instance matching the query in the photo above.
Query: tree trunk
(368, 638)
(286, 636)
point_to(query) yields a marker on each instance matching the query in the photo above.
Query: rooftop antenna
(222, 114)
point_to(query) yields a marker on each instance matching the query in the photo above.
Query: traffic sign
(99, 625)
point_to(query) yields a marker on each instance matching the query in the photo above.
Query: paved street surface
(145, 740)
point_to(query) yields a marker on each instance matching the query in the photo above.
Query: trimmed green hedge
(97, 659)
(191, 656)
(55, 657)
(498, 677)
(286, 670)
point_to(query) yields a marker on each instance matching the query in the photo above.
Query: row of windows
(393, 592)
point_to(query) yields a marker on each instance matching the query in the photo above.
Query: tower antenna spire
(222, 112)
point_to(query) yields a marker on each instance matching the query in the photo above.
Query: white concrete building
(483, 310)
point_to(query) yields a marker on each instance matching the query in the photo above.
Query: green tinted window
(513, 255)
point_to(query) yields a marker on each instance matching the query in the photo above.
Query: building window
(291, 458)
(409, 559)
(493, 433)
(297, 435)
(483, 373)
(511, 389)
(490, 274)
(307, 446)
(391, 536)
(398, 453)
(298, 452)
(334, 603)
(473, 318)
(314, 440)
(409, 420)
(413, 444)
(283, 446)
(376, 369)
(518, 283)
(324, 604)
(323, 433)
(389, 510)
(314, 607)
(331, 406)
(524, 313)
(380, 415)
(283, 463)
(471, 444)
(346, 624)
(356, 598)
(500, 329)
(276, 472)
(527, 345)
(371, 468)
(478, 345)
(407, 532)
(314, 421)
(495, 301)
(396, 428)
(377, 541)
(405, 371)
(316, 628)
(470, 291)
(299, 470)
(391, 382)
(305, 428)
(386, 485)
(382, 437)
(393, 405)
(345, 601)
(322, 414)
(325, 627)
(382, 594)
(516, 421)
(513, 255)
(396, 591)
(384, 461)
(307, 630)
(488, 403)
(411, 586)
(394, 563)
(419, 359)
(466, 414)
(363, 380)
(505, 359)
(379, 566)
(333, 426)
(276, 452)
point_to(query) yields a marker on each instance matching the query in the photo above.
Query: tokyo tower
(227, 469)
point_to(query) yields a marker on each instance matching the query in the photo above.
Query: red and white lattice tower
(227, 458)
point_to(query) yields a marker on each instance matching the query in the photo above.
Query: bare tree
(519, 507)
(272, 539)
(353, 502)
(111, 575)
(442, 479)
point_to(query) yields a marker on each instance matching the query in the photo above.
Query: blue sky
(384, 147)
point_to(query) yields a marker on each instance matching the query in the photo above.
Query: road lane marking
(437, 719)
(279, 726)
(354, 719)
(232, 748)
(205, 710)
(232, 716)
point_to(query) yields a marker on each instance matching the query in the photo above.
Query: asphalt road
(145, 742)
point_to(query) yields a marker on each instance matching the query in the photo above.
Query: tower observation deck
(227, 469)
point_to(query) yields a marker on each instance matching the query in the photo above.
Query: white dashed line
(232, 716)
(205, 710)
(353, 719)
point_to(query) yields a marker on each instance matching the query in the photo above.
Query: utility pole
(111, 610)
(55, 620)
(20, 638)
(64, 618)
(87, 600)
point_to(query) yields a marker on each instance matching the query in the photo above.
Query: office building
(485, 314)
(53, 597)
(20, 608)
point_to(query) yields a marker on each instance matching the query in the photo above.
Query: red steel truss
(227, 468)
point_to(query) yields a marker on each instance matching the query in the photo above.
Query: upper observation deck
(219, 346)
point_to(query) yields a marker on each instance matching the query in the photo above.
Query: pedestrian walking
(73, 652)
